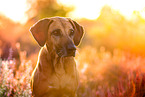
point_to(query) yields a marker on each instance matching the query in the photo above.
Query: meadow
(110, 58)
(102, 74)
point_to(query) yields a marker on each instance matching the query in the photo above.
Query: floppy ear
(79, 31)
(39, 30)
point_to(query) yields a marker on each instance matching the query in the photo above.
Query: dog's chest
(64, 77)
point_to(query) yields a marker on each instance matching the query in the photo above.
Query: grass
(102, 74)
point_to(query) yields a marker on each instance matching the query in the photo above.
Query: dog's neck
(51, 55)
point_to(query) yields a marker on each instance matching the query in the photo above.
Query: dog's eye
(57, 32)
(71, 32)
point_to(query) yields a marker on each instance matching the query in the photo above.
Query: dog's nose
(71, 49)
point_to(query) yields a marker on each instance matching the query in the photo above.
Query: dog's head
(60, 34)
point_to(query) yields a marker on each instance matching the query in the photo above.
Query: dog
(55, 74)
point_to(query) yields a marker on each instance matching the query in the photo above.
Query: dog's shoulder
(44, 60)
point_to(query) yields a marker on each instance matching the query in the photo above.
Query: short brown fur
(55, 74)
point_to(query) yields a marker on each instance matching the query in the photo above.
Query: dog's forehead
(60, 23)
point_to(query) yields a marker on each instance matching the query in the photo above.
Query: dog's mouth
(71, 53)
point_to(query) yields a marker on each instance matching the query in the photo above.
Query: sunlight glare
(127, 7)
(14, 9)
(90, 9)
(84, 68)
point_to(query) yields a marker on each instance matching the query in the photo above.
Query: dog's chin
(66, 55)
(71, 55)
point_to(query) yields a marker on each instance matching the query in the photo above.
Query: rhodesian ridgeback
(55, 74)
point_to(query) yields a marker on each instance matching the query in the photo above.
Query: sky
(90, 9)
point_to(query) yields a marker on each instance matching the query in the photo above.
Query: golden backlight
(14, 9)
(110, 59)
(90, 9)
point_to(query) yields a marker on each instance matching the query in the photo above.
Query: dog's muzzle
(66, 51)
(71, 50)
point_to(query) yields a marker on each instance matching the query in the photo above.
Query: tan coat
(55, 74)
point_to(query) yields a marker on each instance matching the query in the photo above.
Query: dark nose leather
(71, 47)
(71, 50)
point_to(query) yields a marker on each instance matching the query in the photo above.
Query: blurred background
(110, 59)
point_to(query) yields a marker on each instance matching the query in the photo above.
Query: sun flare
(14, 9)
(90, 9)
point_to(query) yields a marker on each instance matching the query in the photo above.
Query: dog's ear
(79, 31)
(39, 30)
